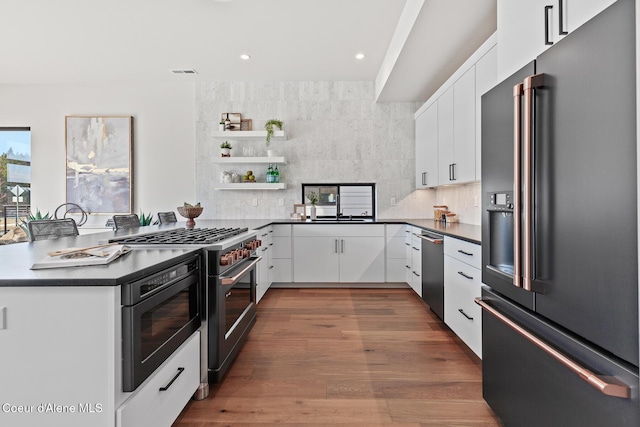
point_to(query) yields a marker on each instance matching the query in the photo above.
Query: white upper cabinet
(464, 130)
(486, 78)
(427, 148)
(448, 124)
(445, 136)
(526, 28)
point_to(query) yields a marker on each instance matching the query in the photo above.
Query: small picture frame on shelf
(235, 120)
(245, 124)
(301, 210)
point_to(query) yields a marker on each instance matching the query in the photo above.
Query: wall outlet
(476, 201)
(254, 202)
(393, 201)
(280, 202)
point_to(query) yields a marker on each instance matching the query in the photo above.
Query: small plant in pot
(313, 199)
(269, 128)
(226, 149)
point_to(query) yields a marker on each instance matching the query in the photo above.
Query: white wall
(336, 133)
(163, 142)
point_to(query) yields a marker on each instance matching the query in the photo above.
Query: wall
(163, 143)
(335, 131)
(463, 200)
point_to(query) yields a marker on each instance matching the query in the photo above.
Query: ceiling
(135, 41)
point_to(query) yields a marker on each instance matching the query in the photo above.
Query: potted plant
(269, 127)
(226, 149)
(313, 198)
(221, 125)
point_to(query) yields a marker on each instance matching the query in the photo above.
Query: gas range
(214, 239)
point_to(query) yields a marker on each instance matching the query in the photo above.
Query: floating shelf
(250, 186)
(247, 134)
(229, 160)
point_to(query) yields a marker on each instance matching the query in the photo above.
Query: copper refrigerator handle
(530, 83)
(517, 183)
(231, 280)
(607, 388)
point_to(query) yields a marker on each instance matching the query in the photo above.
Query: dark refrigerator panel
(526, 386)
(585, 214)
(497, 188)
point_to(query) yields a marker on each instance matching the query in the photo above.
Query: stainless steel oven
(231, 304)
(159, 313)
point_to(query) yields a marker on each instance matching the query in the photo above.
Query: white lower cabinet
(395, 234)
(160, 399)
(281, 267)
(462, 283)
(416, 261)
(263, 270)
(338, 253)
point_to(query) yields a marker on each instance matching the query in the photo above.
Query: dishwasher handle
(436, 240)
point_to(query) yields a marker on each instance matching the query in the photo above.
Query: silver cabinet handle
(424, 178)
(336, 242)
(547, 40)
(561, 29)
(234, 279)
(610, 389)
(341, 245)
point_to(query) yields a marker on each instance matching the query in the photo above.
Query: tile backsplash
(336, 132)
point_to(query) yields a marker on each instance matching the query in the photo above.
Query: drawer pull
(465, 253)
(407, 266)
(270, 267)
(602, 384)
(465, 314)
(416, 273)
(465, 276)
(414, 248)
(165, 388)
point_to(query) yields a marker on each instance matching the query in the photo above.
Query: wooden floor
(356, 357)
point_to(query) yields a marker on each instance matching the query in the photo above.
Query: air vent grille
(185, 71)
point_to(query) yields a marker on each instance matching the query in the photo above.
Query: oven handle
(233, 279)
(601, 384)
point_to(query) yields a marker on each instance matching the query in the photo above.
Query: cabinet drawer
(148, 406)
(342, 230)
(461, 313)
(281, 230)
(467, 252)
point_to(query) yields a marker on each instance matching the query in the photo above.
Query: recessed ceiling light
(359, 55)
(245, 57)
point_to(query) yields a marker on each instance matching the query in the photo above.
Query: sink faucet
(338, 214)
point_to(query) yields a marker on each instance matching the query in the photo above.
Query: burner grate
(183, 236)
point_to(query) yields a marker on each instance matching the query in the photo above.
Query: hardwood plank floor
(357, 357)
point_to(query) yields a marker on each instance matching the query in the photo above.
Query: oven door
(232, 316)
(156, 326)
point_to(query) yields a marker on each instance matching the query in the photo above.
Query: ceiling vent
(188, 71)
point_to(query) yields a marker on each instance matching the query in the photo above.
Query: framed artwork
(99, 163)
(234, 118)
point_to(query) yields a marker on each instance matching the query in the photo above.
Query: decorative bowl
(190, 214)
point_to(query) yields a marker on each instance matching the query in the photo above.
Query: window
(15, 174)
(342, 200)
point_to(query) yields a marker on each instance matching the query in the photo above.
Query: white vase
(271, 153)
(313, 212)
(221, 126)
(226, 151)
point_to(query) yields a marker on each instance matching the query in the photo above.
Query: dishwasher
(433, 271)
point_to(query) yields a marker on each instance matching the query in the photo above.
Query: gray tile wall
(335, 132)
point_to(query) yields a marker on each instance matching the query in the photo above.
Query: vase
(271, 153)
(226, 152)
(221, 126)
(313, 212)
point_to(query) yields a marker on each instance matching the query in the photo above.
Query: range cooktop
(182, 236)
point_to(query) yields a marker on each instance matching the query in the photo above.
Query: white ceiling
(133, 41)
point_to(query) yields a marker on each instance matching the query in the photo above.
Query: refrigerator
(559, 232)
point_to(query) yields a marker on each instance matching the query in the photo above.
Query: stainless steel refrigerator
(559, 232)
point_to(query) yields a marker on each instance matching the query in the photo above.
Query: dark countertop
(16, 259)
